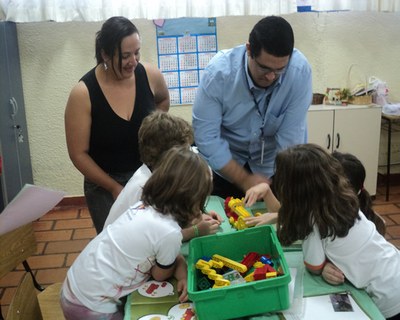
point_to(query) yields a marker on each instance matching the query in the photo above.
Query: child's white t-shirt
(367, 260)
(119, 259)
(130, 194)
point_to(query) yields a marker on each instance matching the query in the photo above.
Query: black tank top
(113, 140)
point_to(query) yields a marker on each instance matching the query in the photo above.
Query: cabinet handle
(329, 141)
(338, 140)
(14, 106)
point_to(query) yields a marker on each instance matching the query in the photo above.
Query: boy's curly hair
(159, 132)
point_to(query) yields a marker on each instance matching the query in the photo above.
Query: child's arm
(159, 273)
(266, 218)
(181, 276)
(214, 215)
(317, 270)
(314, 255)
(262, 190)
(207, 225)
(179, 270)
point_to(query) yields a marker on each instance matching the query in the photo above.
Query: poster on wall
(184, 48)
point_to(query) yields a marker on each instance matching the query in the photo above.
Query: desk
(389, 119)
(308, 284)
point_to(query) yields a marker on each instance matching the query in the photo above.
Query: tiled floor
(63, 232)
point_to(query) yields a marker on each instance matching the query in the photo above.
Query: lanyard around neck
(262, 113)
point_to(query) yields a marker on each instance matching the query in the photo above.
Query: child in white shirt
(144, 242)
(318, 205)
(159, 132)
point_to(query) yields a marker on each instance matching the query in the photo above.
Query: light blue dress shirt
(231, 115)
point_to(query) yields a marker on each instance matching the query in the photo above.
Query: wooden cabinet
(354, 129)
(16, 169)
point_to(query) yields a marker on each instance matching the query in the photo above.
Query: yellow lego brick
(215, 276)
(222, 282)
(271, 275)
(249, 277)
(230, 263)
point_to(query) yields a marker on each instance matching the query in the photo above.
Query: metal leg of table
(388, 158)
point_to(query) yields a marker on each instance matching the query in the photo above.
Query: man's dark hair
(272, 34)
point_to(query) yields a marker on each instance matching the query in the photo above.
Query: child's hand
(208, 226)
(266, 218)
(332, 274)
(255, 193)
(182, 290)
(214, 215)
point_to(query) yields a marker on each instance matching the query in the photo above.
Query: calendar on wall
(184, 48)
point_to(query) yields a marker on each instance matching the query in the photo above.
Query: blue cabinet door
(14, 143)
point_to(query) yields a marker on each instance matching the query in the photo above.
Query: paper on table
(29, 204)
(296, 310)
(322, 306)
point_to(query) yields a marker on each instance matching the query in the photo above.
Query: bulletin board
(184, 48)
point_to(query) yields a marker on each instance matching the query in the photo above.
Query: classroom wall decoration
(184, 48)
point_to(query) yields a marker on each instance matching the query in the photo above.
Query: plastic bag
(391, 109)
(379, 89)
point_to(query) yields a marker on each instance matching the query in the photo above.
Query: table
(305, 283)
(389, 119)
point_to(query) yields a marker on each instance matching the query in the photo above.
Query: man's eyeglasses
(266, 70)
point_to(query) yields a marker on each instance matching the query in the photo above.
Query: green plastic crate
(243, 299)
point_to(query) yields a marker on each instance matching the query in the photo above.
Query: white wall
(55, 55)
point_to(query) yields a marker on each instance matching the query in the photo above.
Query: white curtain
(356, 5)
(99, 10)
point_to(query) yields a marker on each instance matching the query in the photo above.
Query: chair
(25, 304)
(49, 302)
(30, 301)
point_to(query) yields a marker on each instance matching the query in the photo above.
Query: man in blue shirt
(251, 103)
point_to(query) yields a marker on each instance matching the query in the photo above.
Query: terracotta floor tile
(393, 191)
(88, 233)
(47, 261)
(20, 267)
(396, 242)
(384, 209)
(7, 297)
(73, 224)
(395, 218)
(71, 258)
(12, 279)
(84, 213)
(394, 231)
(45, 236)
(40, 247)
(66, 246)
(379, 200)
(388, 220)
(48, 276)
(70, 213)
(42, 225)
(395, 198)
